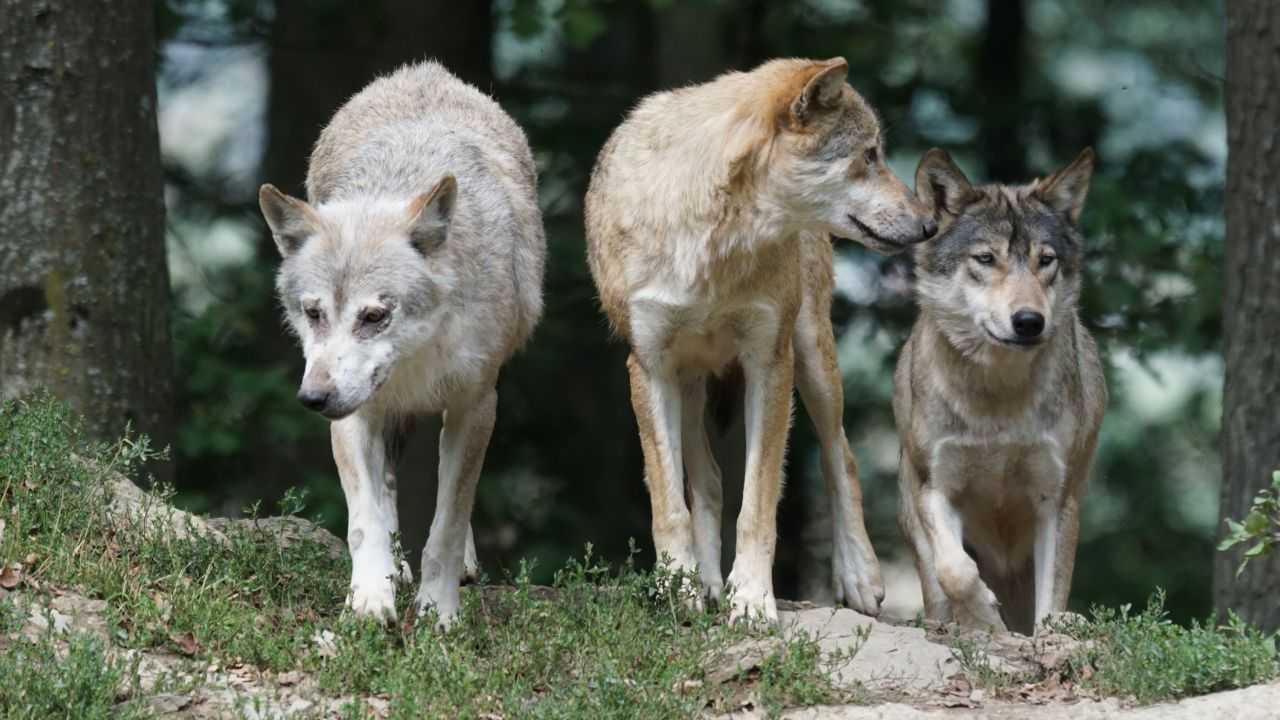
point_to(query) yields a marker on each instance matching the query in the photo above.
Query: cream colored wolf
(707, 218)
(998, 397)
(410, 278)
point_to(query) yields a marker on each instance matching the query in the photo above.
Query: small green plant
(1260, 529)
(976, 663)
(40, 682)
(1148, 657)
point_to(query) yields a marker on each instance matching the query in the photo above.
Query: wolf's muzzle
(311, 399)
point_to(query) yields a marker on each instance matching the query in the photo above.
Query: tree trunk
(1001, 63)
(84, 287)
(1251, 307)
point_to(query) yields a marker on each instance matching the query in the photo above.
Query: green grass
(601, 642)
(1150, 658)
(81, 682)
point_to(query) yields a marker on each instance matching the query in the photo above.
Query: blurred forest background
(1013, 88)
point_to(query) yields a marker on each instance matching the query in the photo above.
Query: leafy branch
(1261, 526)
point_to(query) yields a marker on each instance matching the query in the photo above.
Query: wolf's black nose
(930, 228)
(1028, 323)
(313, 399)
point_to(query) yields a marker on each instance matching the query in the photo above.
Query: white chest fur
(698, 330)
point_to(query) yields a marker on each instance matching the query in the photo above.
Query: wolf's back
(420, 107)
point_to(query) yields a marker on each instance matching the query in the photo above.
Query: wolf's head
(1004, 269)
(358, 287)
(827, 161)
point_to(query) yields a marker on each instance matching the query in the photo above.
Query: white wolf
(411, 276)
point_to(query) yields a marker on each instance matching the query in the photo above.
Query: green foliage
(83, 682)
(1150, 658)
(166, 588)
(973, 658)
(1260, 529)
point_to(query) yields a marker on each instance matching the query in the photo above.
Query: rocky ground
(893, 669)
(898, 671)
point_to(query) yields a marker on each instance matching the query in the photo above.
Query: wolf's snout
(314, 399)
(1028, 324)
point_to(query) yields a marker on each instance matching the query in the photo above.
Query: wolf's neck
(986, 370)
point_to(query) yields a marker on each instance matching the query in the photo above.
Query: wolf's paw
(751, 594)
(1054, 623)
(373, 600)
(712, 588)
(985, 609)
(405, 576)
(859, 593)
(441, 597)
(855, 574)
(470, 564)
(684, 585)
(749, 605)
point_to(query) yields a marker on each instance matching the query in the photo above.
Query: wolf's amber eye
(985, 258)
(871, 155)
(373, 316)
(1047, 260)
(312, 312)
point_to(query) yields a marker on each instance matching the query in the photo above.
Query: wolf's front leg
(937, 606)
(360, 455)
(463, 441)
(957, 572)
(656, 399)
(1045, 554)
(769, 381)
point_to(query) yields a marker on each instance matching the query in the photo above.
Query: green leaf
(1256, 523)
(1258, 549)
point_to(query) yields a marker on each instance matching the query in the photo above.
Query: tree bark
(1251, 307)
(1002, 61)
(84, 288)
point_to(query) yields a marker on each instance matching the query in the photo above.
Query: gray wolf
(998, 396)
(410, 276)
(707, 220)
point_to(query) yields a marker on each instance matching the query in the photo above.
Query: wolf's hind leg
(470, 561)
(855, 571)
(463, 442)
(706, 493)
(360, 454)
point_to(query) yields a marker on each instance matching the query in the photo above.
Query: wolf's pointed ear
(430, 213)
(1065, 190)
(941, 185)
(291, 220)
(822, 90)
